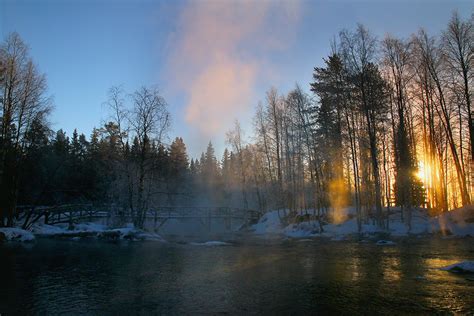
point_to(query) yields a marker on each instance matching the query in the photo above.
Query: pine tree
(178, 158)
(226, 168)
(210, 167)
(61, 144)
(331, 85)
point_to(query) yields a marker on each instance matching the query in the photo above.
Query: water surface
(252, 277)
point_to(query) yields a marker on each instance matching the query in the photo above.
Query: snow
(345, 228)
(90, 227)
(17, 234)
(270, 223)
(131, 233)
(210, 243)
(458, 222)
(79, 231)
(460, 267)
(302, 230)
(98, 230)
(44, 229)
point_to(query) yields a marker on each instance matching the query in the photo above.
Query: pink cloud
(220, 93)
(214, 56)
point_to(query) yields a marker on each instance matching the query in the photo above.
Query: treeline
(388, 123)
(126, 162)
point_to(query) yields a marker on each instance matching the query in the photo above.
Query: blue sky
(212, 60)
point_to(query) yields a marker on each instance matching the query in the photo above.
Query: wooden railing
(73, 213)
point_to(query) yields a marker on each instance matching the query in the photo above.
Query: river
(248, 277)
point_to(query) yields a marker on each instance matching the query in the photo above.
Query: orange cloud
(219, 93)
(215, 56)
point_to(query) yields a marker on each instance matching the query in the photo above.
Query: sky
(211, 60)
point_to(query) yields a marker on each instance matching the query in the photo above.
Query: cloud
(217, 55)
(219, 93)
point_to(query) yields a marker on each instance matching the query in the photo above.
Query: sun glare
(420, 173)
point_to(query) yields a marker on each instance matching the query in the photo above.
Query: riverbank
(456, 223)
(78, 231)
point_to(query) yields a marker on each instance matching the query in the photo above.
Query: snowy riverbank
(15, 234)
(459, 222)
(79, 231)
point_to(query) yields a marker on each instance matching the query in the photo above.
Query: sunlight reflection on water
(249, 278)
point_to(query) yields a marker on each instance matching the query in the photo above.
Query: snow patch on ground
(460, 267)
(90, 227)
(45, 229)
(302, 230)
(101, 231)
(342, 229)
(270, 223)
(459, 222)
(16, 234)
(131, 233)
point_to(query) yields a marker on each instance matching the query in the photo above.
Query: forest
(385, 125)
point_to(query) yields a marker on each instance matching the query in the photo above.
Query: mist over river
(247, 276)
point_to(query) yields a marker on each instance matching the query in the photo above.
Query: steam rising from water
(215, 56)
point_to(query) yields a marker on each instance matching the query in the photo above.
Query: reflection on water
(391, 264)
(355, 272)
(249, 278)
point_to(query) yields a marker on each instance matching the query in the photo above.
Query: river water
(247, 277)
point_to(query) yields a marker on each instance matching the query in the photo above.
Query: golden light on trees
(423, 172)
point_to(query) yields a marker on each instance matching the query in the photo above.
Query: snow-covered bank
(459, 222)
(15, 234)
(100, 231)
(82, 230)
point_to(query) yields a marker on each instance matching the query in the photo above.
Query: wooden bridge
(75, 213)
